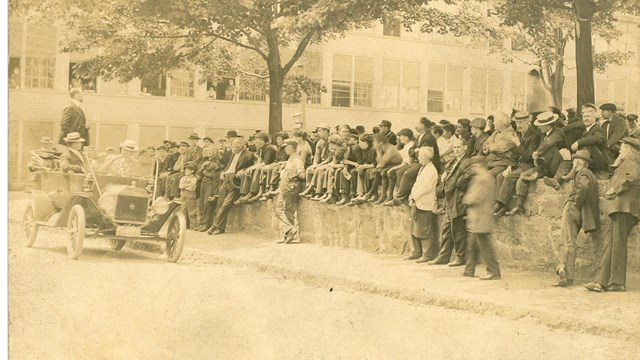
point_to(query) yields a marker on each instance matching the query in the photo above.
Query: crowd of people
(468, 173)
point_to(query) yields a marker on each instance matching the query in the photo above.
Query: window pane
(182, 82)
(496, 82)
(364, 69)
(434, 101)
(518, 90)
(313, 64)
(341, 93)
(436, 77)
(390, 95)
(409, 98)
(391, 72)
(362, 94)
(14, 73)
(391, 26)
(454, 77)
(478, 90)
(411, 74)
(342, 67)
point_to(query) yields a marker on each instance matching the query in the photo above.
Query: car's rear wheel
(117, 244)
(175, 236)
(76, 227)
(29, 223)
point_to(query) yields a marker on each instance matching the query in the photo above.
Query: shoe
(388, 203)
(500, 212)
(309, 196)
(515, 211)
(344, 200)
(398, 202)
(497, 206)
(594, 286)
(331, 199)
(211, 230)
(437, 261)
(423, 260)
(265, 197)
(468, 274)
(373, 199)
(562, 275)
(217, 232)
(318, 197)
(203, 229)
(413, 256)
(380, 201)
(455, 263)
(616, 287)
(306, 191)
(550, 182)
(490, 277)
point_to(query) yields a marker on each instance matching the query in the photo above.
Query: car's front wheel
(175, 236)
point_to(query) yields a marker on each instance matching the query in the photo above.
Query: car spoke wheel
(117, 244)
(76, 227)
(175, 236)
(30, 227)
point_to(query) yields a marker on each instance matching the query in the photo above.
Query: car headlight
(160, 205)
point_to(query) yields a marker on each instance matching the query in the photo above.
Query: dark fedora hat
(583, 155)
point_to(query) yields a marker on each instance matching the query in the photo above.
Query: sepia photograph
(322, 179)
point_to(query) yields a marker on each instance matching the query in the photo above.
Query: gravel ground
(130, 305)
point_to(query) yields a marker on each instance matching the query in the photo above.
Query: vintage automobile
(113, 200)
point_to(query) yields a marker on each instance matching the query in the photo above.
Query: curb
(415, 296)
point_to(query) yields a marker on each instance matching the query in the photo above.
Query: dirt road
(127, 305)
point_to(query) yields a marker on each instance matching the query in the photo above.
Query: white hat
(73, 137)
(129, 145)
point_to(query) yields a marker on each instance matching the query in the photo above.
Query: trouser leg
(228, 196)
(459, 236)
(488, 254)
(446, 243)
(613, 265)
(571, 219)
(407, 180)
(472, 254)
(494, 171)
(507, 186)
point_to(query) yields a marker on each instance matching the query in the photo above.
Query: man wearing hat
(225, 143)
(622, 201)
(175, 171)
(478, 138)
(72, 160)
(615, 128)
(230, 187)
(73, 119)
(194, 153)
(523, 160)
(385, 128)
(634, 129)
(546, 158)
(291, 176)
(581, 211)
(187, 186)
(44, 158)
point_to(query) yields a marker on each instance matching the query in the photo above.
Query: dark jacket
(427, 140)
(391, 138)
(529, 142)
(573, 132)
(194, 155)
(72, 161)
(267, 154)
(245, 161)
(595, 142)
(625, 185)
(475, 144)
(73, 120)
(614, 130)
(549, 151)
(584, 195)
(454, 189)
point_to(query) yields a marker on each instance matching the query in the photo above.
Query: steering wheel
(122, 165)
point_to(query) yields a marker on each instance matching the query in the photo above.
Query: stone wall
(529, 242)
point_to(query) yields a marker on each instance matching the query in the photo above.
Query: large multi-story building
(384, 72)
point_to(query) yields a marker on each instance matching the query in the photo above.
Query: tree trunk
(558, 84)
(584, 63)
(276, 82)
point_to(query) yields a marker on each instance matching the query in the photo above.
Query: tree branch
(236, 42)
(299, 51)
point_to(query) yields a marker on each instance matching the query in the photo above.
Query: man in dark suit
(230, 187)
(194, 152)
(454, 231)
(73, 119)
(615, 128)
(547, 158)
(407, 176)
(623, 208)
(594, 139)
(581, 211)
(72, 160)
(523, 161)
(385, 128)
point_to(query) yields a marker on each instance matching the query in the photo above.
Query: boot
(318, 197)
(256, 196)
(417, 250)
(499, 209)
(519, 209)
(551, 182)
(425, 256)
(344, 199)
(381, 200)
(328, 198)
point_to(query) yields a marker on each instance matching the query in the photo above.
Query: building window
(313, 70)
(251, 88)
(341, 80)
(391, 70)
(39, 72)
(391, 26)
(363, 82)
(182, 82)
(519, 90)
(455, 76)
(40, 56)
(478, 90)
(154, 85)
(494, 91)
(80, 81)
(401, 84)
(436, 85)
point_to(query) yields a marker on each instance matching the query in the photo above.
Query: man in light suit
(72, 160)
(230, 187)
(73, 119)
